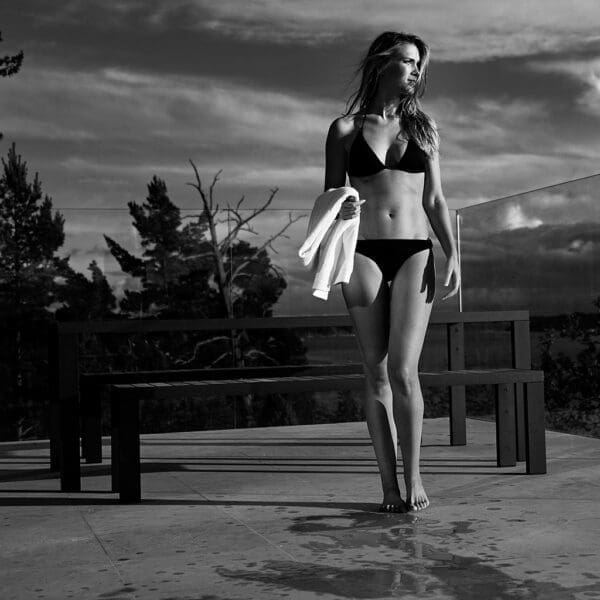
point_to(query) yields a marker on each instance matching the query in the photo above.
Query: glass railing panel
(540, 251)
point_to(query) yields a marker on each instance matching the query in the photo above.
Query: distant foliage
(174, 268)
(34, 282)
(30, 235)
(572, 383)
(10, 65)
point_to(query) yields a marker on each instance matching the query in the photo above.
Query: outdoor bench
(125, 411)
(76, 396)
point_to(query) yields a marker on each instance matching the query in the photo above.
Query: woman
(389, 149)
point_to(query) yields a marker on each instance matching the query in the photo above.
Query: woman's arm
(335, 165)
(335, 156)
(436, 209)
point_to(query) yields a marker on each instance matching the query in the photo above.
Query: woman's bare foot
(393, 503)
(416, 498)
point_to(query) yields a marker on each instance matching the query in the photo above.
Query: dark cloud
(547, 268)
(98, 38)
(509, 79)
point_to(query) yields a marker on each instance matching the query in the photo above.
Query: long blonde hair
(415, 123)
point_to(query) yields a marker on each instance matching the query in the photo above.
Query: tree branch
(266, 244)
(207, 201)
(253, 353)
(197, 346)
(211, 212)
(210, 254)
(241, 221)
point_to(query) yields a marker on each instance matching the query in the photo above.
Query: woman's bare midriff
(393, 205)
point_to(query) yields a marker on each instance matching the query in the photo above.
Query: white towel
(329, 246)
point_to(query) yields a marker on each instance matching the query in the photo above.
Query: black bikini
(388, 254)
(391, 254)
(362, 161)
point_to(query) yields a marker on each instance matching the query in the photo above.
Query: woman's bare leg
(410, 308)
(367, 299)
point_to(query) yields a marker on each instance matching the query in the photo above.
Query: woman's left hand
(452, 277)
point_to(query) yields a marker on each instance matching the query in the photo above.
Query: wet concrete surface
(290, 512)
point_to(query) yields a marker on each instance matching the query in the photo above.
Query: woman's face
(403, 70)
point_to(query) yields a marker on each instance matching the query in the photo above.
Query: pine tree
(85, 299)
(30, 235)
(35, 286)
(172, 270)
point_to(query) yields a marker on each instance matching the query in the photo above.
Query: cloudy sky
(112, 92)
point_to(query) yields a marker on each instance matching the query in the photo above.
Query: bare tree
(227, 280)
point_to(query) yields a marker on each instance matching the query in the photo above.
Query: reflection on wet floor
(412, 557)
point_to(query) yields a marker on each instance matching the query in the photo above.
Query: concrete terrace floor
(289, 512)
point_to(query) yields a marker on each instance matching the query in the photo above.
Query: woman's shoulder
(344, 125)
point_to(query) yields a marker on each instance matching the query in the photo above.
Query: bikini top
(362, 160)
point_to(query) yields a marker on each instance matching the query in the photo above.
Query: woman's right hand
(350, 208)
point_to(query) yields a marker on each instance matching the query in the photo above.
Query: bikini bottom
(390, 254)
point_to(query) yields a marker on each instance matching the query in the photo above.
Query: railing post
(68, 410)
(535, 437)
(54, 409)
(521, 359)
(506, 454)
(90, 403)
(459, 258)
(458, 404)
(125, 457)
(114, 439)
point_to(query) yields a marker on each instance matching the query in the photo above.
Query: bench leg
(54, 436)
(520, 420)
(126, 474)
(506, 441)
(91, 424)
(70, 473)
(54, 409)
(114, 441)
(535, 428)
(65, 392)
(458, 416)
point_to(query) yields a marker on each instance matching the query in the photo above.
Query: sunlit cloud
(590, 100)
(156, 123)
(514, 218)
(581, 71)
(140, 104)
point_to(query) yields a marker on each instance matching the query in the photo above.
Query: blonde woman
(388, 147)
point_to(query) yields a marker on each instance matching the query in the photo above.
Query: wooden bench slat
(442, 378)
(108, 377)
(322, 382)
(266, 323)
